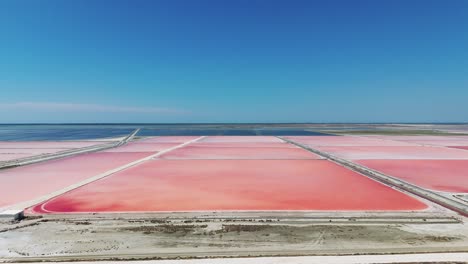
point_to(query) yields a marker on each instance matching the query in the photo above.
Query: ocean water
(60, 132)
(34, 132)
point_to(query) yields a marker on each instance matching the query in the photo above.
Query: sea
(44, 132)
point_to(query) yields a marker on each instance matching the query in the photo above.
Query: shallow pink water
(429, 138)
(33, 151)
(440, 141)
(193, 152)
(393, 152)
(202, 185)
(460, 147)
(240, 139)
(344, 141)
(243, 145)
(18, 153)
(6, 157)
(439, 175)
(143, 147)
(32, 181)
(48, 144)
(11, 150)
(168, 139)
(451, 142)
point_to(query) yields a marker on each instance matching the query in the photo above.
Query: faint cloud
(78, 107)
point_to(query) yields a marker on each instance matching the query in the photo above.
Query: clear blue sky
(233, 61)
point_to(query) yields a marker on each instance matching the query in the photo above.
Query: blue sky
(233, 61)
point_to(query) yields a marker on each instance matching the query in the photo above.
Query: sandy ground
(159, 238)
(363, 259)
